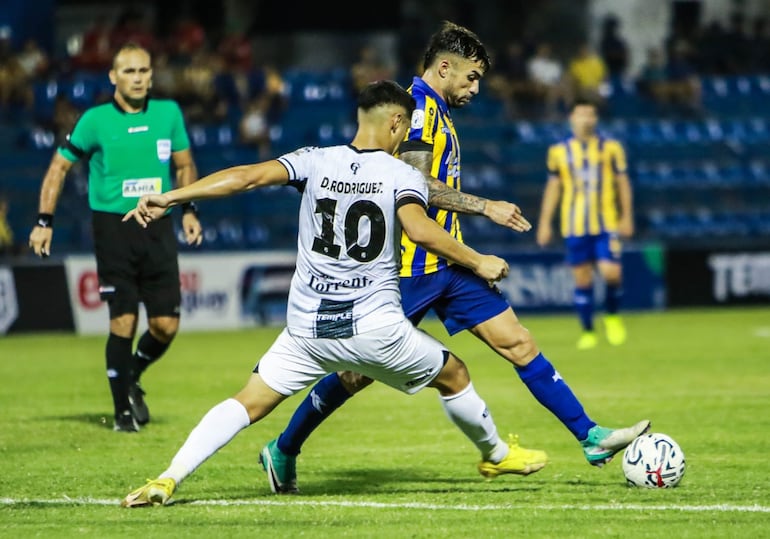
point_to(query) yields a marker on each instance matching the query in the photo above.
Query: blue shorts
(582, 249)
(459, 297)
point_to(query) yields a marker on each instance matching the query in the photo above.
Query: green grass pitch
(390, 465)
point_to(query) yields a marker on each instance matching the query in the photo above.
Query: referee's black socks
(119, 367)
(148, 351)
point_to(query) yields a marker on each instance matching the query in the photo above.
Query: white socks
(217, 427)
(468, 411)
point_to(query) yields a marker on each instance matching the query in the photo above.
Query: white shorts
(399, 355)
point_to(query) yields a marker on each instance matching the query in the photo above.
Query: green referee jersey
(129, 154)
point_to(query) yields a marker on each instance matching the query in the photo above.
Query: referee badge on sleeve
(164, 149)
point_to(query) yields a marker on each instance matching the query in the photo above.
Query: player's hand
(149, 208)
(492, 268)
(40, 240)
(506, 214)
(193, 232)
(544, 235)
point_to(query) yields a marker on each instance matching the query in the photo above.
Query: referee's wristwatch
(44, 220)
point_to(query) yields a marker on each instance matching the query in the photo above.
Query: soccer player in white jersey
(344, 310)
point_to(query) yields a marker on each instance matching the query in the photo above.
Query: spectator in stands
(33, 60)
(7, 243)
(510, 81)
(165, 77)
(263, 109)
(132, 27)
(587, 173)
(187, 39)
(587, 74)
(683, 85)
(652, 78)
(547, 77)
(236, 49)
(96, 49)
(712, 47)
(133, 146)
(613, 48)
(369, 67)
(15, 89)
(197, 91)
(739, 51)
(759, 46)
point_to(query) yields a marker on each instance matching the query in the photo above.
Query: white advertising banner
(219, 291)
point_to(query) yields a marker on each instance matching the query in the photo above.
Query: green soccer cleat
(281, 469)
(587, 340)
(615, 329)
(602, 443)
(155, 492)
(518, 461)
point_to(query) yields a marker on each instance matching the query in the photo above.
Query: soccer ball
(653, 460)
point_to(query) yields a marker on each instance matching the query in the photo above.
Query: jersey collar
(122, 111)
(417, 82)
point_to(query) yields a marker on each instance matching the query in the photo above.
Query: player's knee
(164, 329)
(453, 378)
(353, 381)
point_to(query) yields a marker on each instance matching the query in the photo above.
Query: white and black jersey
(346, 279)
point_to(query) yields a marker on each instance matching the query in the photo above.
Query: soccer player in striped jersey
(587, 172)
(454, 63)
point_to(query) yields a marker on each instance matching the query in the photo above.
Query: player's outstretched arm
(502, 212)
(227, 182)
(426, 233)
(440, 195)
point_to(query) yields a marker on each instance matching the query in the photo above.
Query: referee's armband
(189, 207)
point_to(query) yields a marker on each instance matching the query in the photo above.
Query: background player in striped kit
(587, 172)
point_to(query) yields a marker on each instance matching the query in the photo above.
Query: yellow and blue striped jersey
(432, 129)
(587, 172)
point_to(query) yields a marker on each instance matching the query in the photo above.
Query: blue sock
(325, 397)
(584, 305)
(548, 387)
(612, 299)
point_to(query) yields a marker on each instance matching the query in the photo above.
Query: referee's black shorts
(137, 264)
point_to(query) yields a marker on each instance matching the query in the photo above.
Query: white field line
(719, 508)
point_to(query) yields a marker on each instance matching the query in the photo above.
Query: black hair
(385, 92)
(583, 101)
(456, 39)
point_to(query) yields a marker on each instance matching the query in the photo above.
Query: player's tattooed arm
(440, 195)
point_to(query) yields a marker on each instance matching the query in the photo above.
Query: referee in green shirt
(130, 144)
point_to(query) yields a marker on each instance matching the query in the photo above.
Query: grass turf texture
(389, 465)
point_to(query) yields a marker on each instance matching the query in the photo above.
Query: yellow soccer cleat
(518, 461)
(155, 492)
(615, 328)
(587, 340)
